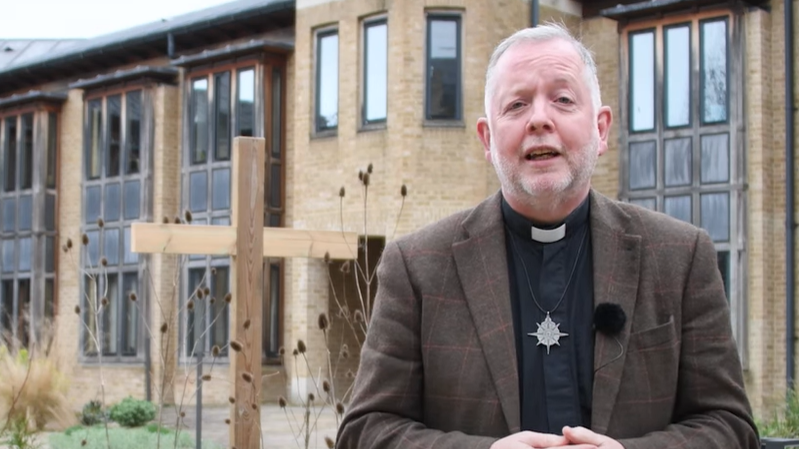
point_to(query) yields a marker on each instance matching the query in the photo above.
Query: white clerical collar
(548, 235)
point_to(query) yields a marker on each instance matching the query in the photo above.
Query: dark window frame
(457, 17)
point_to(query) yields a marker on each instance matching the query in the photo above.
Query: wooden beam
(221, 240)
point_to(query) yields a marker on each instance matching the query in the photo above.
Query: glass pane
(376, 72)
(277, 109)
(111, 245)
(443, 69)
(196, 318)
(49, 299)
(134, 130)
(110, 314)
(678, 207)
(222, 115)
(199, 121)
(714, 71)
(10, 160)
(112, 202)
(49, 212)
(24, 311)
(90, 304)
(678, 162)
(26, 155)
(6, 311)
(716, 215)
(678, 76)
(221, 189)
(648, 203)
(219, 311)
(132, 200)
(49, 254)
(52, 147)
(129, 257)
(93, 249)
(715, 158)
(198, 191)
(642, 165)
(274, 220)
(94, 139)
(642, 81)
(273, 324)
(9, 214)
(92, 204)
(8, 256)
(723, 258)
(130, 313)
(25, 212)
(275, 184)
(245, 109)
(220, 221)
(114, 107)
(327, 82)
(25, 253)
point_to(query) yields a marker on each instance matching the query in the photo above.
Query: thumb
(536, 439)
(582, 435)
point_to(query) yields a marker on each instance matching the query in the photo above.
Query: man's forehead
(524, 51)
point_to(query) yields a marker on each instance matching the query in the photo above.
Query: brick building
(137, 125)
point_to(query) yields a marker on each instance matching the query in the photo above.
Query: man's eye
(516, 105)
(564, 100)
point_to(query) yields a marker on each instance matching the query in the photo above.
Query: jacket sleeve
(711, 410)
(386, 410)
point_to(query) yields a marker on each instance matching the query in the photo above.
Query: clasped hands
(572, 438)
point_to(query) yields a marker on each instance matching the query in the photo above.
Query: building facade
(138, 126)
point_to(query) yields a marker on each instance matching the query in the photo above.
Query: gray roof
(205, 18)
(20, 51)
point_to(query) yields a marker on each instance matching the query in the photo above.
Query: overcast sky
(53, 19)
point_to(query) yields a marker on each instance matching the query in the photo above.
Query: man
(549, 315)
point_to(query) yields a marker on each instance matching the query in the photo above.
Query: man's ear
(603, 121)
(484, 133)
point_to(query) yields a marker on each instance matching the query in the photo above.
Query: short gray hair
(543, 33)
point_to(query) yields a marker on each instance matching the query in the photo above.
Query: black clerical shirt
(555, 388)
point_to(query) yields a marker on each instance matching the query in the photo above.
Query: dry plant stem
(291, 427)
(347, 318)
(17, 396)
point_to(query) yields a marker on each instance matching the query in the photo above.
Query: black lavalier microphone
(610, 319)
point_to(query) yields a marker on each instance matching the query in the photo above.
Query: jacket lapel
(482, 266)
(616, 261)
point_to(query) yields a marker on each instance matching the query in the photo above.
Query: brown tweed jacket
(438, 369)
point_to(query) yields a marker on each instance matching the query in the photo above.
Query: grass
(784, 423)
(122, 438)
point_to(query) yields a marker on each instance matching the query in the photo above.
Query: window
(443, 93)
(375, 71)
(114, 188)
(27, 235)
(222, 105)
(326, 104)
(682, 152)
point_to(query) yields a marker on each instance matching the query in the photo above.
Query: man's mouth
(541, 155)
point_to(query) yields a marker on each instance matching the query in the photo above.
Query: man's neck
(547, 210)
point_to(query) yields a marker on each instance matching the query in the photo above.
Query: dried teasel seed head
(100, 223)
(84, 239)
(228, 298)
(369, 168)
(360, 175)
(227, 421)
(132, 296)
(330, 443)
(231, 399)
(366, 180)
(69, 243)
(164, 328)
(165, 220)
(281, 351)
(254, 406)
(212, 300)
(83, 442)
(342, 192)
(206, 377)
(350, 374)
(358, 316)
(295, 353)
(104, 261)
(326, 386)
(247, 323)
(190, 305)
(327, 257)
(345, 353)
(77, 310)
(199, 293)
(213, 270)
(206, 291)
(215, 351)
(339, 408)
(64, 248)
(182, 414)
(187, 216)
(236, 345)
(281, 401)
(345, 267)
(301, 346)
(311, 397)
(246, 376)
(104, 301)
(323, 322)
(403, 191)
(176, 220)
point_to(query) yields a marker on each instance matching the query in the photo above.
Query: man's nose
(539, 120)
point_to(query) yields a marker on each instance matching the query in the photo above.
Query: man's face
(542, 134)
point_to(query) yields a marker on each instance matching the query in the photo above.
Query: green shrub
(784, 423)
(92, 413)
(132, 412)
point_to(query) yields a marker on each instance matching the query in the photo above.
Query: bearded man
(549, 315)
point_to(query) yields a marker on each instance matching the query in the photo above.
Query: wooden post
(247, 269)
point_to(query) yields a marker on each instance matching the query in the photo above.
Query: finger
(582, 435)
(536, 439)
(573, 446)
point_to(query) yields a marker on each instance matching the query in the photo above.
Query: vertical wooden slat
(246, 306)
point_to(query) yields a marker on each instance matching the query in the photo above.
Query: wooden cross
(248, 242)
